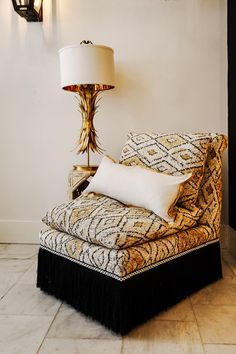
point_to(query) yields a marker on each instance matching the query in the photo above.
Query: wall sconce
(31, 10)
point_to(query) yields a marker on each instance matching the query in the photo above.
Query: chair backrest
(178, 153)
(210, 192)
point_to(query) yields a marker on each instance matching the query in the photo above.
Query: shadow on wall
(46, 33)
(51, 30)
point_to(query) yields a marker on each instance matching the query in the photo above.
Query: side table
(78, 179)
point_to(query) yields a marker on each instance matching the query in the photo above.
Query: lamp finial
(86, 42)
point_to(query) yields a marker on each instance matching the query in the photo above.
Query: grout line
(16, 282)
(24, 315)
(202, 343)
(108, 339)
(48, 329)
(222, 343)
(17, 258)
(172, 320)
(18, 243)
(122, 345)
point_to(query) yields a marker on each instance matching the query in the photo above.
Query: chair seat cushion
(124, 263)
(104, 221)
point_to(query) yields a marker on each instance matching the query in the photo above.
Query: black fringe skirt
(122, 305)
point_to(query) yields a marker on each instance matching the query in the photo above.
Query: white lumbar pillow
(137, 186)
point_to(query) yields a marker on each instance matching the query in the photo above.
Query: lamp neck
(88, 107)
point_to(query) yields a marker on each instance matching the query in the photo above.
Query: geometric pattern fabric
(120, 241)
(124, 263)
(173, 154)
(210, 192)
(104, 221)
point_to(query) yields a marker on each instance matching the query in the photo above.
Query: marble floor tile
(30, 275)
(16, 251)
(7, 280)
(15, 265)
(164, 337)
(22, 334)
(180, 312)
(217, 324)
(220, 349)
(233, 267)
(230, 260)
(59, 346)
(3, 246)
(11, 271)
(101, 346)
(222, 292)
(26, 299)
(71, 324)
(81, 346)
(227, 271)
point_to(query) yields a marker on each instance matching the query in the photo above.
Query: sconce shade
(31, 10)
(86, 64)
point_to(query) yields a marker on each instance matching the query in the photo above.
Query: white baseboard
(19, 231)
(228, 239)
(224, 236)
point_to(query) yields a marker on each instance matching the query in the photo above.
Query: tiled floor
(32, 322)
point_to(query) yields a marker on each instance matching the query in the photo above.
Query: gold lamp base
(88, 107)
(88, 136)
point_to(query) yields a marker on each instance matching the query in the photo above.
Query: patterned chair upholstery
(122, 264)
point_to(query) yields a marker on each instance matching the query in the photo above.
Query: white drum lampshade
(87, 64)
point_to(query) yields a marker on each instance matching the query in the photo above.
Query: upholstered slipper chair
(121, 264)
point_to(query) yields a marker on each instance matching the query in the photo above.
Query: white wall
(170, 76)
